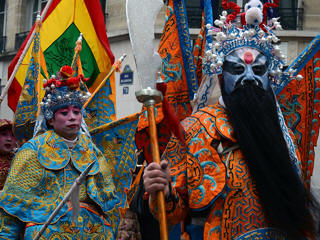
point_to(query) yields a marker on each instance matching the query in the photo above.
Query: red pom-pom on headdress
(73, 83)
(65, 78)
(61, 83)
(49, 83)
(66, 71)
(231, 5)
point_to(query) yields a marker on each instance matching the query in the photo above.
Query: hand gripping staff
(141, 16)
(73, 189)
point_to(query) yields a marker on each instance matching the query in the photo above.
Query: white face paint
(245, 66)
(67, 122)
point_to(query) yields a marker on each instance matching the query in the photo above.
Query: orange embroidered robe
(207, 183)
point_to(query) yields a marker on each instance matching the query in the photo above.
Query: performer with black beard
(252, 108)
(238, 175)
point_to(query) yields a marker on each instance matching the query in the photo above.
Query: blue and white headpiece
(62, 91)
(249, 31)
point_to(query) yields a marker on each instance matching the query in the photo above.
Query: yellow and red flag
(61, 27)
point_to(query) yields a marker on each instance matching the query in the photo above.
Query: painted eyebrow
(260, 61)
(235, 59)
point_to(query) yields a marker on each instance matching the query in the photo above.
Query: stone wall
(311, 14)
(13, 22)
(117, 20)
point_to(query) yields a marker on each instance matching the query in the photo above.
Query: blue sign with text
(126, 77)
(125, 90)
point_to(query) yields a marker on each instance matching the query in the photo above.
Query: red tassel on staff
(170, 116)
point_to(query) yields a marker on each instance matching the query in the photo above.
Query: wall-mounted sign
(126, 77)
(125, 90)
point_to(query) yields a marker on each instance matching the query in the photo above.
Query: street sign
(125, 90)
(126, 77)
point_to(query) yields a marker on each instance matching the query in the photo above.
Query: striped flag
(61, 27)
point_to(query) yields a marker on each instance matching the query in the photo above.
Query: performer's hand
(156, 178)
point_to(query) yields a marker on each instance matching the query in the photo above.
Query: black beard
(253, 114)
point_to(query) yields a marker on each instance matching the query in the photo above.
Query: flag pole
(24, 52)
(115, 67)
(38, 81)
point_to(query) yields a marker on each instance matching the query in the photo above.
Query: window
(36, 6)
(2, 25)
(103, 5)
(291, 16)
(32, 7)
(2, 17)
(194, 11)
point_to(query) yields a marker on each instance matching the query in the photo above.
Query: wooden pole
(114, 67)
(99, 87)
(156, 159)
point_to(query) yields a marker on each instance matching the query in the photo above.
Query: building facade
(299, 19)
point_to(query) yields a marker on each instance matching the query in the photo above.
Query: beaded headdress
(62, 90)
(4, 123)
(249, 29)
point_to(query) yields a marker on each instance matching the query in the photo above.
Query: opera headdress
(62, 90)
(249, 29)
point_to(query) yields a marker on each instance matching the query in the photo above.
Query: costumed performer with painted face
(46, 166)
(8, 144)
(238, 175)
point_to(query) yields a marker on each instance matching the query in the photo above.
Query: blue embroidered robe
(41, 174)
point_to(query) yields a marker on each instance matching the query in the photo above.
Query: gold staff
(141, 18)
(150, 97)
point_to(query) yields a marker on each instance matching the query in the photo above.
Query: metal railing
(290, 18)
(20, 37)
(3, 41)
(194, 15)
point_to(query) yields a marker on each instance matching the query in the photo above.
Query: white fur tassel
(254, 14)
